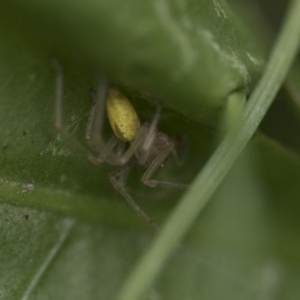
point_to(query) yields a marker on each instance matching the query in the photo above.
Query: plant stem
(206, 183)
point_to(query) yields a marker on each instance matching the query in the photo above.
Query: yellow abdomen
(122, 116)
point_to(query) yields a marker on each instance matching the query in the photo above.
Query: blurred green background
(73, 236)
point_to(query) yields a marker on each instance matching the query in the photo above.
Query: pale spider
(148, 147)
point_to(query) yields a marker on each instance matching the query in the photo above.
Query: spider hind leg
(117, 180)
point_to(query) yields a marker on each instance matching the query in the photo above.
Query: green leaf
(215, 170)
(191, 55)
(244, 245)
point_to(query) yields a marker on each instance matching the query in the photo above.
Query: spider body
(147, 147)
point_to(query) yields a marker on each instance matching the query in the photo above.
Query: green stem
(194, 200)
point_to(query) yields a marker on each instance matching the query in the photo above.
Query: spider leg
(94, 128)
(152, 130)
(118, 185)
(106, 153)
(124, 158)
(58, 114)
(156, 163)
(90, 121)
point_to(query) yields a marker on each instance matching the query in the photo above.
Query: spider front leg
(92, 136)
(58, 113)
(94, 128)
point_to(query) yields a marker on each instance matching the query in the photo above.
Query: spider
(148, 146)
